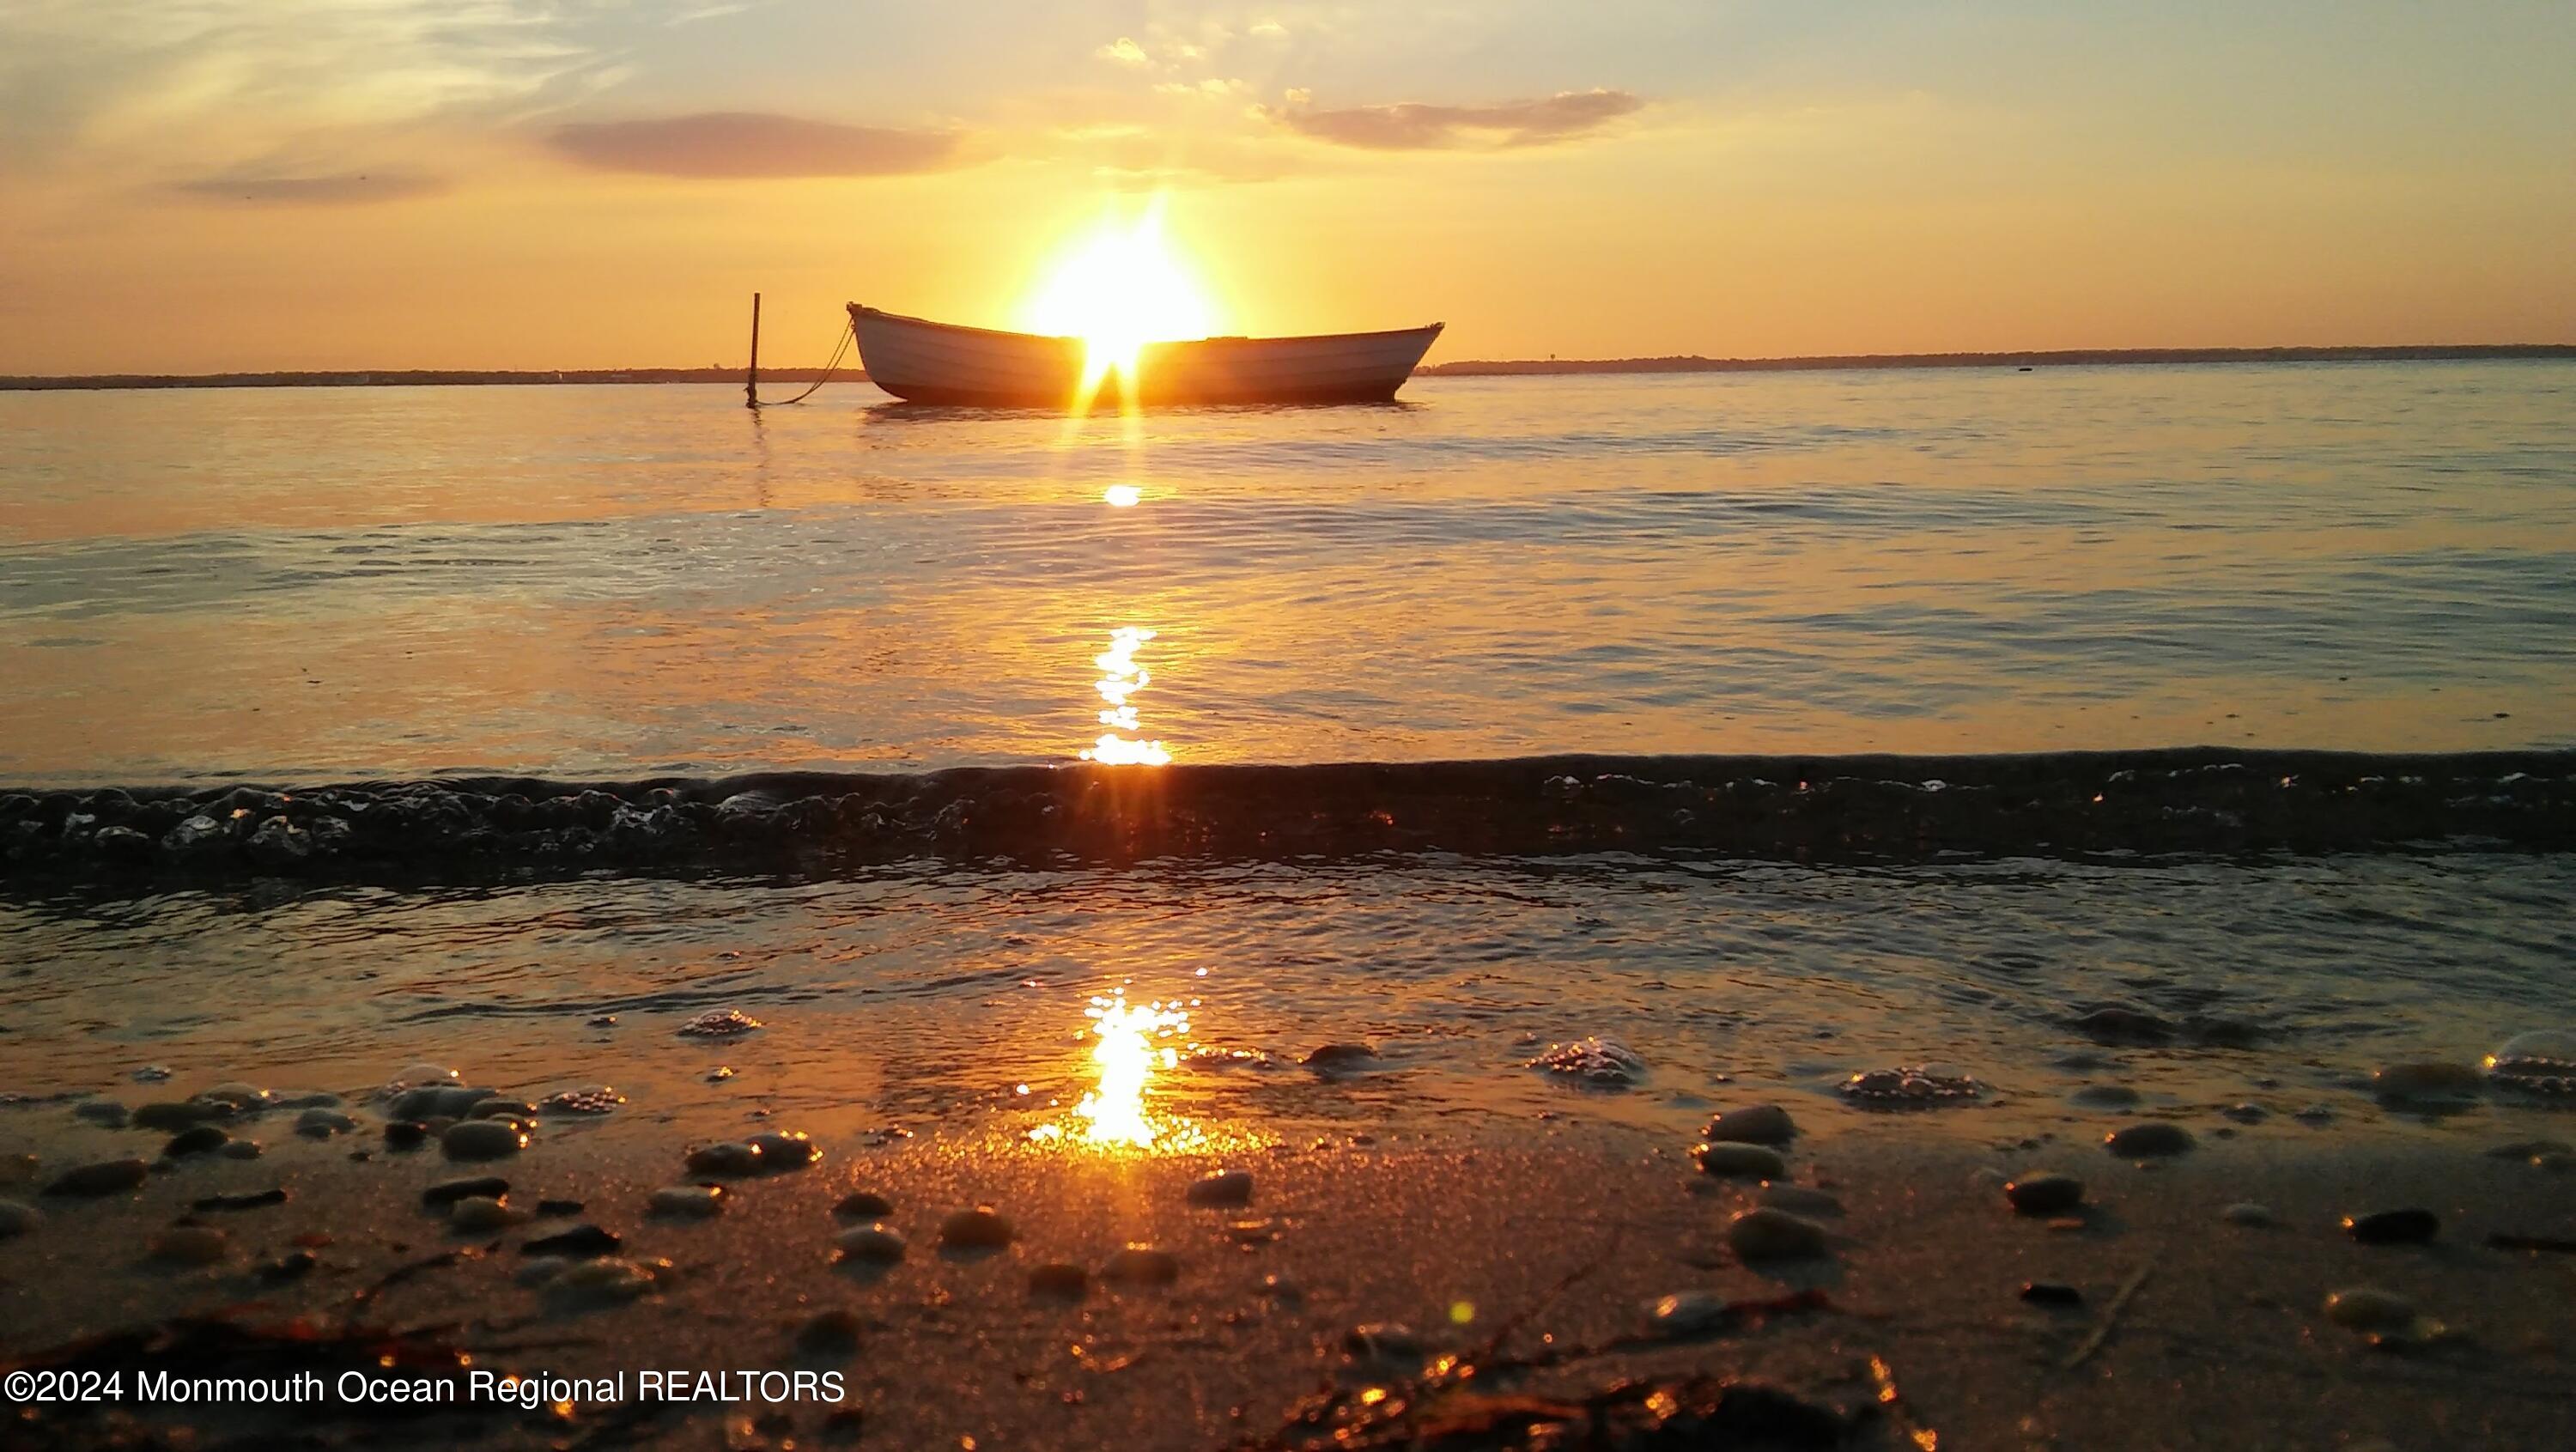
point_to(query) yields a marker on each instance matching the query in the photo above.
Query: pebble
(196, 1141)
(2366, 1308)
(1765, 1233)
(1799, 1200)
(448, 1192)
(16, 1219)
(478, 1214)
(2393, 1227)
(1603, 1063)
(107, 1177)
(728, 1159)
(541, 1270)
(863, 1205)
(294, 1265)
(1741, 1161)
(2156, 1137)
(1688, 1313)
(403, 1134)
(150, 1074)
(190, 1245)
(1911, 1086)
(2106, 1096)
(578, 1243)
(2426, 1080)
(1753, 1124)
(437, 1101)
(177, 1114)
(2540, 1062)
(690, 1202)
(1142, 1265)
(2247, 1213)
(244, 1149)
(1225, 1187)
(781, 1151)
(2314, 1114)
(1059, 1278)
(2046, 1194)
(104, 1112)
(607, 1279)
(248, 1200)
(871, 1244)
(323, 1123)
(2246, 1113)
(482, 1139)
(982, 1228)
(836, 1330)
(1339, 1056)
(2051, 1293)
(719, 1023)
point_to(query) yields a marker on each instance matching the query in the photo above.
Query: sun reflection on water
(1128, 1048)
(1120, 679)
(1122, 496)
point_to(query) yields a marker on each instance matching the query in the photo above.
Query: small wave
(1841, 809)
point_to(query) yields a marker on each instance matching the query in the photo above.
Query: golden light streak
(1120, 679)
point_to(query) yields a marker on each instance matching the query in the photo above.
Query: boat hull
(942, 363)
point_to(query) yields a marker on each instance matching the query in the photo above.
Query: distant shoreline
(1467, 368)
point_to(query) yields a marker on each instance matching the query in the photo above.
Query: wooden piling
(751, 377)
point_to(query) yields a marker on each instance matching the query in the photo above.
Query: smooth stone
(170, 1115)
(500, 1107)
(729, 1159)
(578, 1243)
(199, 1140)
(2393, 1227)
(448, 1192)
(1688, 1313)
(2051, 1293)
(781, 1151)
(1339, 1056)
(403, 1134)
(692, 1202)
(872, 1244)
(17, 1219)
(103, 1112)
(541, 1270)
(422, 1075)
(1753, 1124)
(1225, 1187)
(1059, 1278)
(477, 1214)
(2426, 1080)
(237, 1094)
(863, 1205)
(982, 1228)
(1740, 1161)
(316, 1100)
(239, 1149)
(107, 1177)
(2247, 1213)
(2367, 1308)
(1799, 1200)
(482, 1139)
(2106, 1096)
(1764, 1233)
(190, 1245)
(604, 1279)
(320, 1123)
(438, 1101)
(2045, 1194)
(836, 1330)
(2246, 1113)
(1142, 1265)
(2156, 1137)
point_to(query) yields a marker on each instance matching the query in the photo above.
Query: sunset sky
(190, 185)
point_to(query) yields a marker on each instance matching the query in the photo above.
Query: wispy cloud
(343, 189)
(1417, 126)
(1124, 51)
(733, 144)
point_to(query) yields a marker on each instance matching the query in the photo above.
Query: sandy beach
(1433, 1288)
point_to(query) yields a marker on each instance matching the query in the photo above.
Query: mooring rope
(847, 334)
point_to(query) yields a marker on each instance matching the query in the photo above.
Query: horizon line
(1469, 367)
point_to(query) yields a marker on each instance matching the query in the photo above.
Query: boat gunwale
(857, 309)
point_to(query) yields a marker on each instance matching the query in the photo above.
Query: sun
(1119, 287)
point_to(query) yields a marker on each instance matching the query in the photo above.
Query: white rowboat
(931, 362)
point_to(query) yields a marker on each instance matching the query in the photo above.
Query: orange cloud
(1414, 126)
(344, 189)
(725, 144)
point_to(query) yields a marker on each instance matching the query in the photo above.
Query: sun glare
(1120, 287)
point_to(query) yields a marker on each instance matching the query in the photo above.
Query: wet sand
(1528, 1252)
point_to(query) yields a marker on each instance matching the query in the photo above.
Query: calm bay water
(299, 584)
(310, 584)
